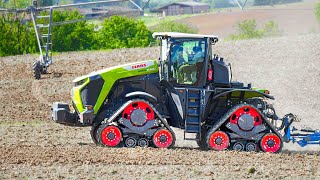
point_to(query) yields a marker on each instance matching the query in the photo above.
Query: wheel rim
(246, 110)
(111, 136)
(139, 106)
(219, 141)
(162, 138)
(270, 143)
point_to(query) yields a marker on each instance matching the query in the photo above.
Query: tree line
(18, 36)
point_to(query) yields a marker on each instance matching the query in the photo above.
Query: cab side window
(187, 59)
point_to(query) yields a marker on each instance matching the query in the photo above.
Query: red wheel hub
(162, 138)
(246, 110)
(270, 143)
(219, 141)
(111, 136)
(138, 113)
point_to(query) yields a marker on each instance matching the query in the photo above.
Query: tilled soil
(291, 19)
(31, 146)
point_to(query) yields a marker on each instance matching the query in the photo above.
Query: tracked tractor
(189, 87)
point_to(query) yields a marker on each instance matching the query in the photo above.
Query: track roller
(251, 147)
(271, 143)
(238, 146)
(130, 142)
(163, 138)
(218, 140)
(143, 142)
(109, 135)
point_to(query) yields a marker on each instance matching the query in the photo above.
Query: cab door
(186, 75)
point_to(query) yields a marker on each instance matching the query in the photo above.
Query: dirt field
(31, 146)
(292, 19)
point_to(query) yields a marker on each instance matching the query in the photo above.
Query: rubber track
(163, 120)
(93, 133)
(225, 117)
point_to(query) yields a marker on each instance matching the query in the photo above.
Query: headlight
(79, 83)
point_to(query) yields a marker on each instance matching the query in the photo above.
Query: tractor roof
(182, 35)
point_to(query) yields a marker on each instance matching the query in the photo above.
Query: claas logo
(139, 66)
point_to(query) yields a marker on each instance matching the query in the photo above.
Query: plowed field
(31, 146)
(291, 19)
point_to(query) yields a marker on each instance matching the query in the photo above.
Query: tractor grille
(91, 92)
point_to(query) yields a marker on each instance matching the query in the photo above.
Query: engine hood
(99, 83)
(144, 67)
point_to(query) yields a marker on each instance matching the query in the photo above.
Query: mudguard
(248, 93)
(141, 94)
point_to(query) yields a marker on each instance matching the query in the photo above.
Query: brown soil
(292, 19)
(34, 147)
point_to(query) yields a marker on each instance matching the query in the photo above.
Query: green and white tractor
(189, 87)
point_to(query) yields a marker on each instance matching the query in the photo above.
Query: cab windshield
(186, 61)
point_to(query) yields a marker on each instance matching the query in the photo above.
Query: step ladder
(43, 35)
(193, 113)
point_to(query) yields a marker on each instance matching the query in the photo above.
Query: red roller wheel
(219, 141)
(246, 110)
(111, 136)
(271, 143)
(138, 113)
(162, 138)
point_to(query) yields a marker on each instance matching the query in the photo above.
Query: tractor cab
(190, 74)
(187, 60)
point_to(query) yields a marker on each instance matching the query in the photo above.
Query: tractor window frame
(201, 81)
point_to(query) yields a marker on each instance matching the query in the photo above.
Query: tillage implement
(189, 87)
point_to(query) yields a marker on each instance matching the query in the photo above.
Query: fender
(140, 93)
(251, 93)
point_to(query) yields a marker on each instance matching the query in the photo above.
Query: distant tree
(2, 3)
(247, 29)
(15, 36)
(46, 3)
(74, 36)
(263, 2)
(174, 26)
(17, 3)
(317, 11)
(273, 2)
(18, 37)
(122, 32)
(270, 29)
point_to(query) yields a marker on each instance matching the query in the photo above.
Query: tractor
(189, 87)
